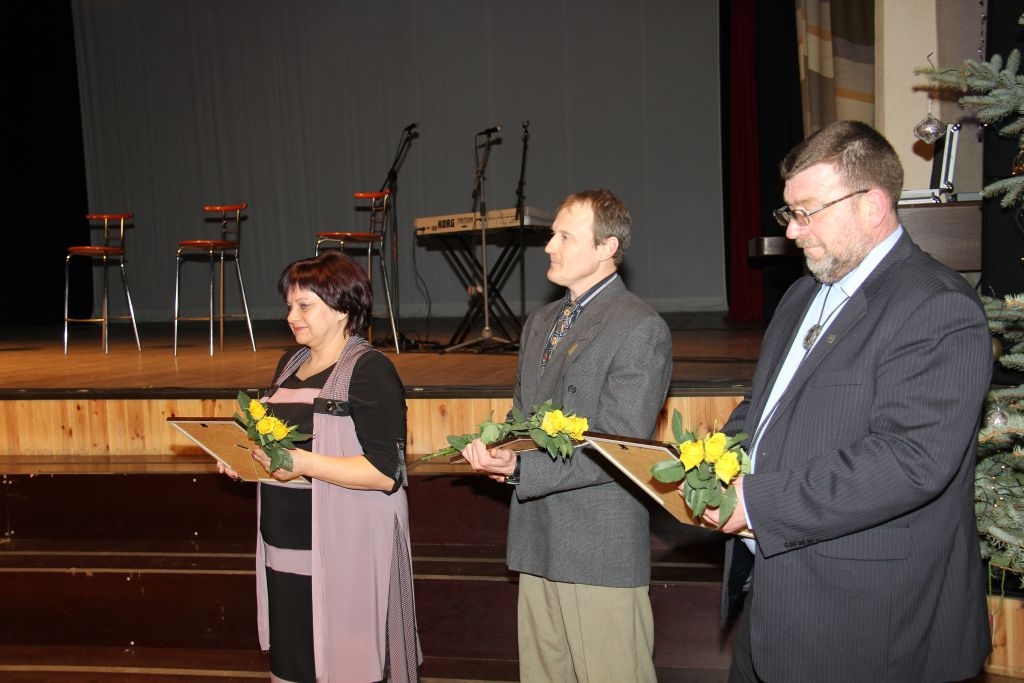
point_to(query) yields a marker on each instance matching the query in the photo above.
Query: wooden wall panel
(1006, 616)
(131, 435)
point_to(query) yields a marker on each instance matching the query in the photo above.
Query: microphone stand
(521, 218)
(391, 183)
(480, 202)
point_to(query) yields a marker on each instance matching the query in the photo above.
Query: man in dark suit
(580, 540)
(863, 417)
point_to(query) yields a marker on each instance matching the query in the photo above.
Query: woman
(334, 569)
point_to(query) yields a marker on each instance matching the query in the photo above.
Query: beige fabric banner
(836, 40)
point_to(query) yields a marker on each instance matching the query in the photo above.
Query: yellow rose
(727, 467)
(553, 422)
(691, 453)
(265, 425)
(280, 430)
(256, 409)
(576, 426)
(714, 446)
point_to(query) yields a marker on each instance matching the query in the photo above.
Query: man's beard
(830, 267)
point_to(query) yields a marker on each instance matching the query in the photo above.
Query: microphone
(491, 131)
(410, 127)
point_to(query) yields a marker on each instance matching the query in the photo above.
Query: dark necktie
(558, 332)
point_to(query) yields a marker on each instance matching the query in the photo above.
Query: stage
(107, 412)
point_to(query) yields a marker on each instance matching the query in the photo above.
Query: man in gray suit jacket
(580, 540)
(863, 414)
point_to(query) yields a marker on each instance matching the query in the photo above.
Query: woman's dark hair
(338, 280)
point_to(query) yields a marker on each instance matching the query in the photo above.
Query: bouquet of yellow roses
(709, 466)
(272, 435)
(550, 428)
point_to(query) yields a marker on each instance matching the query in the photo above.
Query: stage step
(154, 563)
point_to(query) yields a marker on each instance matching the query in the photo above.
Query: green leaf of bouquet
(702, 476)
(714, 496)
(243, 400)
(490, 432)
(695, 500)
(727, 506)
(505, 429)
(694, 480)
(280, 459)
(668, 471)
(540, 437)
(735, 440)
(460, 441)
(546, 406)
(289, 441)
(677, 426)
(517, 415)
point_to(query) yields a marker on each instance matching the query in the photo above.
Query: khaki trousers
(588, 634)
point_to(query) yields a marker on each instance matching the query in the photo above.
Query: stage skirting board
(110, 434)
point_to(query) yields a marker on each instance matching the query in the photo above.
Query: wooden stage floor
(710, 356)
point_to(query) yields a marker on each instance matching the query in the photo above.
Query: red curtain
(746, 299)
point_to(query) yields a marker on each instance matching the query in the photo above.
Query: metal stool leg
(245, 304)
(131, 309)
(177, 282)
(67, 275)
(105, 311)
(212, 270)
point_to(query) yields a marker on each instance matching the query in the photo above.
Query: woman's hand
(224, 469)
(280, 474)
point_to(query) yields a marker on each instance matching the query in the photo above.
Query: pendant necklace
(814, 330)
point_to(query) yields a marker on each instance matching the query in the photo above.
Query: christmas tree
(999, 476)
(995, 92)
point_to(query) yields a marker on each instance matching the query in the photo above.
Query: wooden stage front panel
(124, 435)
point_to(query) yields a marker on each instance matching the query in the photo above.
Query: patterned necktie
(557, 332)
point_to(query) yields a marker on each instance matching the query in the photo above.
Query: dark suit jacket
(572, 521)
(868, 566)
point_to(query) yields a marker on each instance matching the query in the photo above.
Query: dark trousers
(742, 669)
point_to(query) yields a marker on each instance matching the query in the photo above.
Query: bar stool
(373, 241)
(111, 252)
(221, 250)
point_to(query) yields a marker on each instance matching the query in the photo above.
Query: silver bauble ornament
(997, 417)
(929, 129)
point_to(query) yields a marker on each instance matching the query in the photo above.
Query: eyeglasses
(803, 218)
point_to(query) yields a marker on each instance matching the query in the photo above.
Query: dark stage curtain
(761, 123)
(45, 189)
(743, 185)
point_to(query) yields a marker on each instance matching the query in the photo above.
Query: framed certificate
(635, 458)
(226, 441)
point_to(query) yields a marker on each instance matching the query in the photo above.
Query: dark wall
(780, 120)
(45, 191)
(1002, 234)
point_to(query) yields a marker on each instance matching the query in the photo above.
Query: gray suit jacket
(573, 521)
(868, 566)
